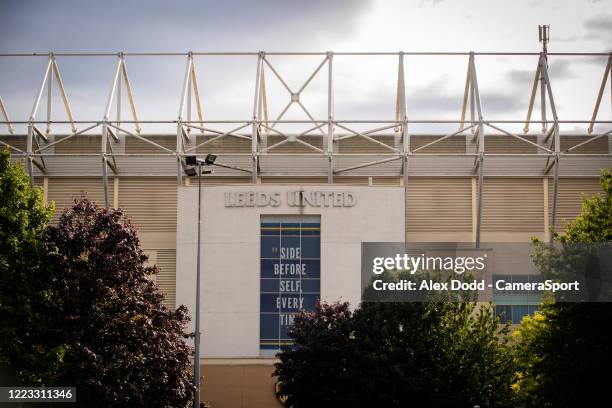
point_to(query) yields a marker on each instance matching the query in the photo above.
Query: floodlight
(210, 159)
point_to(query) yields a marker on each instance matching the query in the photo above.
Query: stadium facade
(285, 211)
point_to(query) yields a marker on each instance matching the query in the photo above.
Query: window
(514, 313)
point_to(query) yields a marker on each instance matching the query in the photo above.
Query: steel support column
(179, 152)
(104, 163)
(556, 141)
(479, 202)
(256, 120)
(179, 120)
(481, 144)
(330, 119)
(543, 86)
(29, 154)
(405, 136)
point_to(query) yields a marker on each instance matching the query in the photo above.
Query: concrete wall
(230, 255)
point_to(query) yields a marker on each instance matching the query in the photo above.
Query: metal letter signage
(292, 199)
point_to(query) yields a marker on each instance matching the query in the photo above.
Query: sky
(365, 87)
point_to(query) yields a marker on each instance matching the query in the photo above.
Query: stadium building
(285, 211)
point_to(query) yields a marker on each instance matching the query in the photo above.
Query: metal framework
(332, 131)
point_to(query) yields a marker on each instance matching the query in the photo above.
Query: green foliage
(121, 345)
(24, 285)
(563, 351)
(594, 224)
(78, 308)
(438, 354)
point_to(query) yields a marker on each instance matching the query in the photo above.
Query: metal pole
(179, 150)
(29, 154)
(49, 98)
(543, 97)
(556, 182)
(330, 120)
(479, 204)
(196, 363)
(404, 128)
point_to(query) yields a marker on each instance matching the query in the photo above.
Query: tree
(120, 345)
(24, 285)
(437, 354)
(324, 349)
(563, 352)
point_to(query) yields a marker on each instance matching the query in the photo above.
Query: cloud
(557, 70)
(568, 39)
(433, 99)
(520, 75)
(599, 27)
(114, 25)
(560, 70)
(433, 2)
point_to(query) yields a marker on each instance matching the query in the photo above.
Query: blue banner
(290, 272)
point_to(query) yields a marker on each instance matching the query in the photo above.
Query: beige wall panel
(226, 144)
(20, 142)
(509, 144)
(166, 277)
(135, 145)
(597, 146)
(79, 144)
(218, 181)
(504, 236)
(64, 190)
(442, 236)
(439, 208)
(341, 180)
(353, 181)
(149, 202)
(571, 191)
(294, 147)
(293, 180)
(454, 144)
(513, 205)
(239, 386)
(358, 144)
(387, 181)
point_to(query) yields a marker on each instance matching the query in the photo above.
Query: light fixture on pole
(191, 171)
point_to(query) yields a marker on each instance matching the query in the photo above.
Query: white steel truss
(329, 130)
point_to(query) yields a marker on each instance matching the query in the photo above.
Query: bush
(438, 354)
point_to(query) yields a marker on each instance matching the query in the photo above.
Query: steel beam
(600, 94)
(40, 90)
(534, 89)
(372, 163)
(62, 89)
(588, 141)
(4, 111)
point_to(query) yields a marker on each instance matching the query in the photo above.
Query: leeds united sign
(290, 198)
